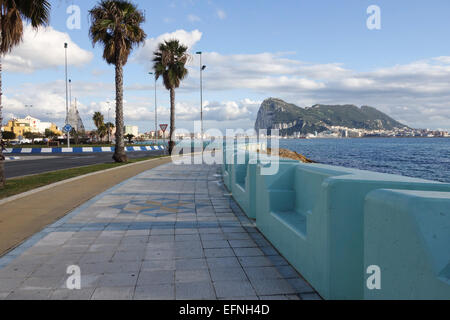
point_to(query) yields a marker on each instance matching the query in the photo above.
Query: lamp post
(109, 125)
(70, 93)
(156, 112)
(202, 68)
(67, 96)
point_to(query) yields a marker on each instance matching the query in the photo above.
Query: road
(28, 165)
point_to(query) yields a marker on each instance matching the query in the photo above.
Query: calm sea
(413, 157)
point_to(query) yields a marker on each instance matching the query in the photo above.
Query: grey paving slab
(195, 291)
(183, 237)
(224, 274)
(234, 289)
(114, 293)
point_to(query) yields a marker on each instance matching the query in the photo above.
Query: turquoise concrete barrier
(407, 235)
(243, 180)
(313, 214)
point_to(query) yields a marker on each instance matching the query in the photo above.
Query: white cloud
(193, 18)
(44, 49)
(188, 38)
(221, 14)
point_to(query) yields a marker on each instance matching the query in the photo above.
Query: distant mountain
(289, 119)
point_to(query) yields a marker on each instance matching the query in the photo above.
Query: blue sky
(305, 52)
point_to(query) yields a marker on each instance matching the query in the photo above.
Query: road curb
(31, 192)
(79, 150)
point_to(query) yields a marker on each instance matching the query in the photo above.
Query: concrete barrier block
(407, 235)
(320, 229)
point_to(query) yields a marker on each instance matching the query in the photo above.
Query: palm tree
(117, 25)
(102, 132)
(98, 119)
(12, 15)
(110, 127)
(169, 62)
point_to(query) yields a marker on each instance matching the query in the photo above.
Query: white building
(134, 130)
(36, 125)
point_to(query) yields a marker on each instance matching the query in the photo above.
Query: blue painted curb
(78, 150)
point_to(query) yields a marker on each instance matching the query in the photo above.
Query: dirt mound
(288, 154)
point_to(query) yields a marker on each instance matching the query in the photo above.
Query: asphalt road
(28, 165)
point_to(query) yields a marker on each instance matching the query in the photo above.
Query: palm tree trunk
(119, 154)
(172, 121)
(2, 157)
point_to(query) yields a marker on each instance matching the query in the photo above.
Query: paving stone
(155, 292)
(226, 262)
(38, 294)
(114, 293)
(190, 264)
(7, 285)
(272, 287)
(128, 256)
(187, 237)
(215, 244)
(263, 273)
(248, 252)
(237, 236)
(242, 243)
(66, 294)
(156, 277)
(251, 298)
(42, 283)
(195, 291)
(3, 295)
(206, 237)
(201, 275)
(225, 274)
(233, 289)
(118, 280)
(219, 253)
(156, 265)
(260, 261)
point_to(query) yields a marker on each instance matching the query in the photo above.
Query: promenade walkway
(172, 232)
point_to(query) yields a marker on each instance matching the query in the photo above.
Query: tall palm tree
(117, 25)
(170, 63)
(12, 15)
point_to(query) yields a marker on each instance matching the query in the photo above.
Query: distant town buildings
(134, 130)
(344, 132)
(30, 124)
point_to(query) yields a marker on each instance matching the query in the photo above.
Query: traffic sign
(67, 128)
(163, 127)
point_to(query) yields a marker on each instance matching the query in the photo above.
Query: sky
(304, 52)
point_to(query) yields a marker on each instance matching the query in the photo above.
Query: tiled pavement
(170, 233)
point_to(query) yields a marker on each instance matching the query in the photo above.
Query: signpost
(164, 128)
(67, 128)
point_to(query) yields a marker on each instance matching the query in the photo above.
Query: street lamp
(202, 68)
(70, 93)
(67, 96)
(109, 125)
(156, 111)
